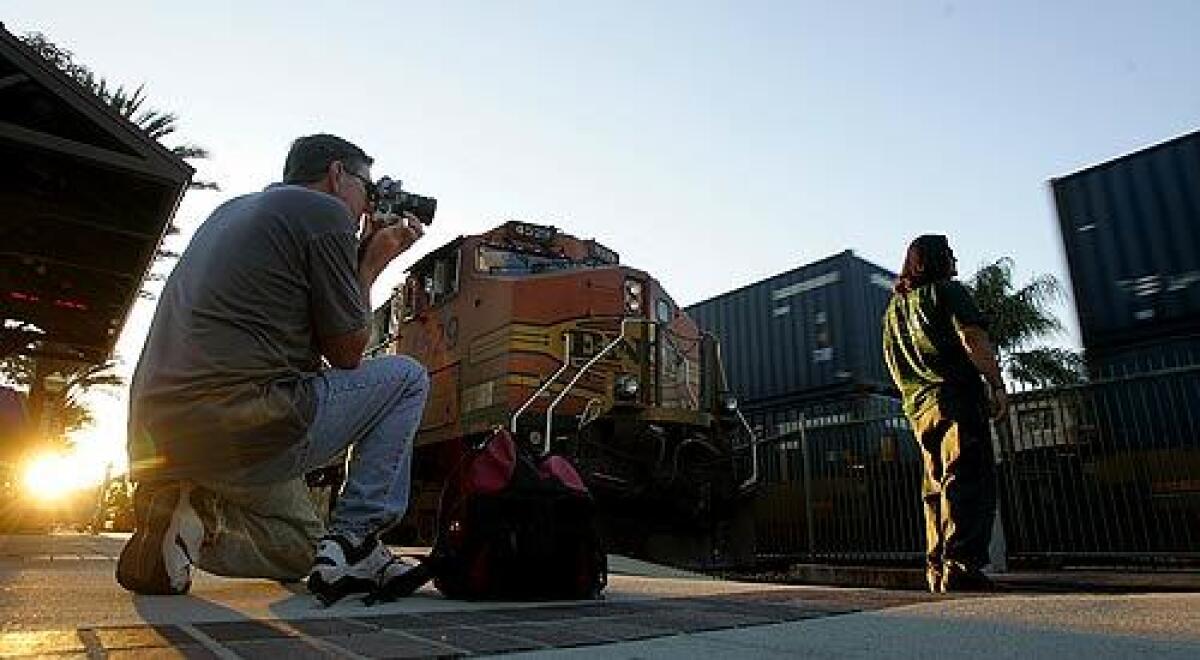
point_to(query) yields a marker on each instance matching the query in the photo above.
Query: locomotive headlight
(626, 387)
(730, 404)
(633, 297)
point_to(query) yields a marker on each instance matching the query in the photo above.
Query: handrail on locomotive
(570, 385)
(752, 439)
(550, 381)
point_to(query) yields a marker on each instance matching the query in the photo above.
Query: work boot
(968, 581)
(158, 558)
(343, 567)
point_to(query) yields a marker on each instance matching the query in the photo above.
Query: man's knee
(413, 374)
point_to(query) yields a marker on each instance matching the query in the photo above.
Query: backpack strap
(404, 585)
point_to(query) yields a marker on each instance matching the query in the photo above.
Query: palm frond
(188, 151)
(1046, 367)
(94, 375)
(100, 88)
(192, 152)
(157, 124)
(1017, 316)
(73, 416)
(122, 100)
(18, 369)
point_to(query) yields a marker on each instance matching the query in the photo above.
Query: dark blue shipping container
(1156, 355)
(1131, 230)
(814, 328)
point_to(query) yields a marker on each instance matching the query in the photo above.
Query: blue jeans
(260, 520)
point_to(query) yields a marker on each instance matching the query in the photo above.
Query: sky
(712, 144)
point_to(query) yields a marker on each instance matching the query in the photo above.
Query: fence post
(806, 465)
(998, 547)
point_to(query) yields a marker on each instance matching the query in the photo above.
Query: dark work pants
(959, 487)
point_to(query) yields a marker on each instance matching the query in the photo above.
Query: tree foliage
(74, 379)
(71, 413)
(130, 104)
(1020, 318)
(1046, 366)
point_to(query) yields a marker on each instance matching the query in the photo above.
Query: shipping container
(1131, 231)
(814, 328)
(788, 416)
(1163, 353)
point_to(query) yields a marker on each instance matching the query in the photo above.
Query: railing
(1107, 472)
(838, 482)
(1104, 473)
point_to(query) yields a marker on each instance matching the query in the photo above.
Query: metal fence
(839, 481)
(1102, 473)
(1107, 472)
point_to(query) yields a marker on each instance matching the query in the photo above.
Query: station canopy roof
(85, 199)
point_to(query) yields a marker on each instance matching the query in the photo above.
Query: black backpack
(513, 526)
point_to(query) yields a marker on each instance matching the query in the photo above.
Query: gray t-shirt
(224, 380)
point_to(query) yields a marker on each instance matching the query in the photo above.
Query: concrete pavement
(58, 598)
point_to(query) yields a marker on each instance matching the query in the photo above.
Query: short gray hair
(310, 157)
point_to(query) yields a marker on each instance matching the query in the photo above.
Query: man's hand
(384, 240)
(979, 350)
(997, 402)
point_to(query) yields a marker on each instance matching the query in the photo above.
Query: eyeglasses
(368, 187)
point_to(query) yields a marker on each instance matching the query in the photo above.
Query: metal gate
(839, 482)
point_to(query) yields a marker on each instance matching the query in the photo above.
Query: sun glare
(52, 476)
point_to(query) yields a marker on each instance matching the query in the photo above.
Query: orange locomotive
(535, 330)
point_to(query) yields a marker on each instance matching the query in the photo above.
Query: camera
(390, 198)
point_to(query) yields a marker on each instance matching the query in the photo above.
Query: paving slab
(58, 598)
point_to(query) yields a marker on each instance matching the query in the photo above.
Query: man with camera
(230, 405)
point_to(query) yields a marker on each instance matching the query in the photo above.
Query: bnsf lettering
(629, 348)
(586, 345)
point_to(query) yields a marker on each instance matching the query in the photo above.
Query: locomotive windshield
(509, 261)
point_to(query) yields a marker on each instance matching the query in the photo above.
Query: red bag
(515, 526)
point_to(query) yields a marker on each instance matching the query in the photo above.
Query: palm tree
(72, 379)
(63, 400)
(1019, 318)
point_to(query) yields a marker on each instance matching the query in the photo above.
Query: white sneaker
(342, 568)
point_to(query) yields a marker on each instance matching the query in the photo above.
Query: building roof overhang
(85, 199)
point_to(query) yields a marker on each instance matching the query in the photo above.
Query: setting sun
(49, 477)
